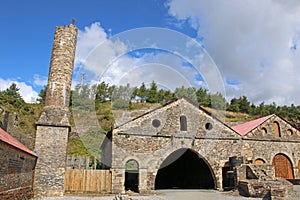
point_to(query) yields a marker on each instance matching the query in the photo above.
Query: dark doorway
(132, 176)
(184, 169)
(228, 177)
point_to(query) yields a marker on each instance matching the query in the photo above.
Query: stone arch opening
(283, 166)
(132, 175)
(184, 169)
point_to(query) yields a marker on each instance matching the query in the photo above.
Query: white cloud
(40, 80)
(251, 42)
(102, 58)
(26, 91)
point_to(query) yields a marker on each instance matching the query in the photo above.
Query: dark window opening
(156, 123)
(183, 123)
(208, 126)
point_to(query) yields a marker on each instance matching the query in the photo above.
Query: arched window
(183, 123)
(259, 161)
(276, 129)
(263, 131)
(289, 132)
(132, 175)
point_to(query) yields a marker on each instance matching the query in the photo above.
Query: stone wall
(152, 137)
(265, 146)
(150, 144)
(16, 173)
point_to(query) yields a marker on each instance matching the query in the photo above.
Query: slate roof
(245, 128)
(8, 139)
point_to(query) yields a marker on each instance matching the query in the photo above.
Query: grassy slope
(89, 142)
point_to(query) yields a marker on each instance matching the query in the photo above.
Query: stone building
(16, 169)
(181, 145)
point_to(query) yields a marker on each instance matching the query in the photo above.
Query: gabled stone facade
(153, 138)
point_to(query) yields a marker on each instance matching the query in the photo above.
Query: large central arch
(184, 169)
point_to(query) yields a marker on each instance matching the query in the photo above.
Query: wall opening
(227, 177)
(259, 161)
(283, 166)
(183, 123)
(184, 169)
(132, 176)
(276, 129)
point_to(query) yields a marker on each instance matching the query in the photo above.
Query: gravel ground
(173, 195)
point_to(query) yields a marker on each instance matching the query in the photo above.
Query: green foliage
(142, 92)
(13, 92)
(76, 147)
(92, 140)
(186, 92)
(152, 95)
(42, 95)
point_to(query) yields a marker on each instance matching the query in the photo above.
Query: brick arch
(176, 156)
(283, 166)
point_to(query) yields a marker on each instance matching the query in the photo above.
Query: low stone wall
(259, 181)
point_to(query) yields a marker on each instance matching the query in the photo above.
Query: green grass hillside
(87, 141)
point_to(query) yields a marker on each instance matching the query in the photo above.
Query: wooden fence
(88, 181)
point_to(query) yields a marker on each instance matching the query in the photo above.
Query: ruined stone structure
(181, 145)
(54, 122)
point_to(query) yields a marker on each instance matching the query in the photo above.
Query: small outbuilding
(16, 168)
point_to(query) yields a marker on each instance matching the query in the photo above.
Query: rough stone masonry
(54, 122)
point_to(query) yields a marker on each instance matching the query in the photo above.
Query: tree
(13, 91)
(218, 101)
(101, 92)
(244, 105)
(142, 92)
(234, 105)
(152, 95)
(42, 95)
(186, 92)
(203, 97)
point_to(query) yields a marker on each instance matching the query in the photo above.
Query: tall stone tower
(54, 123)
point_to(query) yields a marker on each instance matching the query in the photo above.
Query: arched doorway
(283, 166)
(132, 176)
(184, 169)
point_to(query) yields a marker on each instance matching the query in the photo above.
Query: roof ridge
(244, 128)
(9, 139)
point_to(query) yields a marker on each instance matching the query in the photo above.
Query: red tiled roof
(7, 138)
(244, 129)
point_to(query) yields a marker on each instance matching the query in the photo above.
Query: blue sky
(254, 44)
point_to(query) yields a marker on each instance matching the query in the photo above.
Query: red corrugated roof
(244, 129)
(7, 138)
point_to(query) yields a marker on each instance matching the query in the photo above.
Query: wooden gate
(283, 166)
(90, 181)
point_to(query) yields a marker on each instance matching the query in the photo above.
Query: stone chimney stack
(54, 122)
(56, 110)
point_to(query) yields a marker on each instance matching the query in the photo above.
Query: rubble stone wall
(16, 173)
